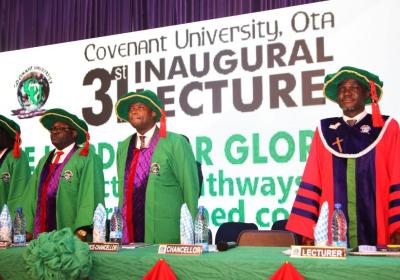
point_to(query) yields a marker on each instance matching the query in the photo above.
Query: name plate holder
(111, 247)
(180, 249)
(318, 252)
(4, 244)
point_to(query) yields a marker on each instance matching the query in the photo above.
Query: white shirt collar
(358, 118)
(66, 151)
(148, 135)
(2, 152)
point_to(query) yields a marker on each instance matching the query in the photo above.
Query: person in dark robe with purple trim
(354, 160)
(157, 173)
(68, 182)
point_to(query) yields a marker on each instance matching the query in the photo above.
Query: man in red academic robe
(354, 160)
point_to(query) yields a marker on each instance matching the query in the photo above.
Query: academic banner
(246, 90)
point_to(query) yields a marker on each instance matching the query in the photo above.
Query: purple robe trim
(366, 199)
(355, 138)
(139, 187)
(51, 219)
(365, 193)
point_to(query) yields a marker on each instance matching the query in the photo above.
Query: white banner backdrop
(246, 90)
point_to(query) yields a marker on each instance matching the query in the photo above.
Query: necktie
(58, 156)
(44, 191)
(351, 122)
(142, 143)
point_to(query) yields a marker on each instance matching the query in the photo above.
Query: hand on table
(308, 241)
(395, 238)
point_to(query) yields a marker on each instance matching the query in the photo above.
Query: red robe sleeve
(393, 165)
(318, 171)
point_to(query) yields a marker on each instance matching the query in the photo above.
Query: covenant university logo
(5, 177)
(32, 92)
(68, 176)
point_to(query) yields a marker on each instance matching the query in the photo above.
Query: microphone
(223, 245)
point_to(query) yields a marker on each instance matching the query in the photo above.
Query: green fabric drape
(351, 201)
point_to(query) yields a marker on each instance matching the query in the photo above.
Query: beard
(352, 110)
(348, 109)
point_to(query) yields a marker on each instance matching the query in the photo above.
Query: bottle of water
(99, 224)
(339, 227)
(5, 224)
(19, 231)
(116, 226)
(201, 229)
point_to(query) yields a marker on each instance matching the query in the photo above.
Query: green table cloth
(238, 263)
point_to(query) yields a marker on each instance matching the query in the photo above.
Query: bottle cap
(201, 209)
(338, 205)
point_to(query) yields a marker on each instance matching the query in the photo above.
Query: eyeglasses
(352, 90)
(59, 129)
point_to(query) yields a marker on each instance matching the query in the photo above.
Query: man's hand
(395, 238)
(81, 233)
(28, 236)
(308, 241)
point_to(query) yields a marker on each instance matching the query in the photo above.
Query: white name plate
(180, 249)
(104, 247)
(322, 252)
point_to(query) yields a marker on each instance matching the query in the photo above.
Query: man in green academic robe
(14, 167)
(157, 173)
(68, 182)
